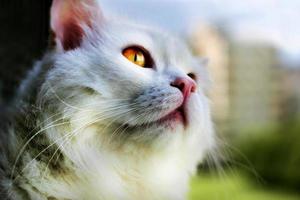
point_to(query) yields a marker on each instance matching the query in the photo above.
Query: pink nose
(185, 85)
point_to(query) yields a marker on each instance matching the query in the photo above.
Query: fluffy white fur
(93, 90)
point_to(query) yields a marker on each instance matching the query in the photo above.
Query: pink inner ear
(71, 35)
(67, 16)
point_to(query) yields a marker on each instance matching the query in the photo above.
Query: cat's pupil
(135, 57)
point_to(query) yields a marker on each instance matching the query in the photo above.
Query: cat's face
(129, 79)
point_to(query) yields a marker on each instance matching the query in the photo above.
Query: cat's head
(123, 78)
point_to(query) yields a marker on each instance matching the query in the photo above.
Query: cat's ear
(68, 19)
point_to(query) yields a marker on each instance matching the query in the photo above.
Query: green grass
(233, 187)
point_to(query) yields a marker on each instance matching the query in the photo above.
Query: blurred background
(254, 52)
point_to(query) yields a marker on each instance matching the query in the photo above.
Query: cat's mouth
(176, 116)
(169, 121)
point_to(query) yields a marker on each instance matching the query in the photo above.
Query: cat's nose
(185, 85)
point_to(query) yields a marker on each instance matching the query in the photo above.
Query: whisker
(44, 129)
(72, 134)
(66, 136)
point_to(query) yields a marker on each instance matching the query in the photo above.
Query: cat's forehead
(163, 46)
(149, 37)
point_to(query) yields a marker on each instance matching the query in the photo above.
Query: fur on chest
(90, 171)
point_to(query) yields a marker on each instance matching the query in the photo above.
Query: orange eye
(135, 55)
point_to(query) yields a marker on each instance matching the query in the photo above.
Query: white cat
(115, 111)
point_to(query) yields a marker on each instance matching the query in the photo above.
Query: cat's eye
(192, 76)
(137, 56)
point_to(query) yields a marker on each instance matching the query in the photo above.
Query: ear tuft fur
(68, 18)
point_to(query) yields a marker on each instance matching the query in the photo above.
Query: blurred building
(208, 42)
(289, 93)
(245, 91)
(253, 85)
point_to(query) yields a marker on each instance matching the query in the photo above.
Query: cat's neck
(127, 172)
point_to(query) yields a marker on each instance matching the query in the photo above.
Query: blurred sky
(274, 21)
